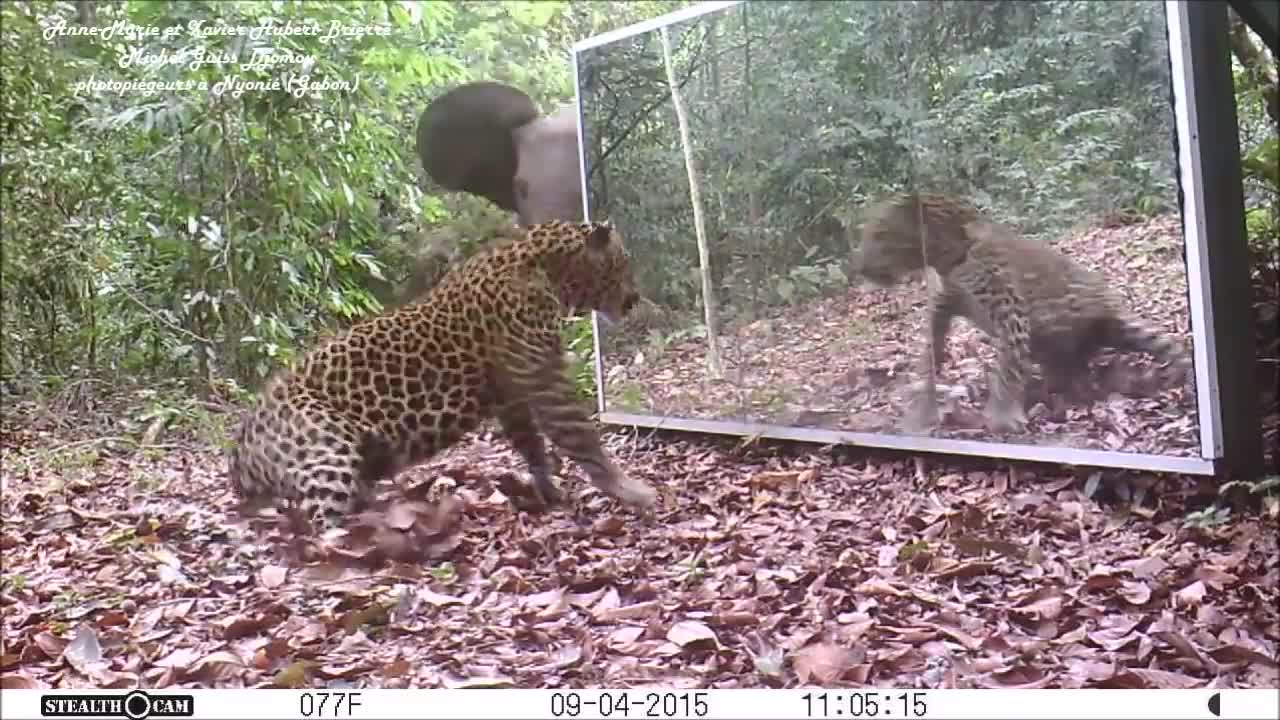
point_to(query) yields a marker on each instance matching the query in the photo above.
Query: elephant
(489, 139)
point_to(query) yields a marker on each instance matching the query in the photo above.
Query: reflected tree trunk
(714, 366)
(760, 257)
(713, 66)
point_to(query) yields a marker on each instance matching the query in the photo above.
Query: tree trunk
(714, 366)
(86, 13)
(1260, 68)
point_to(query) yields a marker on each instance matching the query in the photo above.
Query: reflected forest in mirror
(816, 194)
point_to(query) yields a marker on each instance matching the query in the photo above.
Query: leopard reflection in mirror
(1037, 305)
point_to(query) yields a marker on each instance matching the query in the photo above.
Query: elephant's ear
(465, 141)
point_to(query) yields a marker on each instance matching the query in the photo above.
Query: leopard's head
(887, 252)
(595, 270)
(901, 231)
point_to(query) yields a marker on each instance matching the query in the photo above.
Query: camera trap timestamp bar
(646, 703)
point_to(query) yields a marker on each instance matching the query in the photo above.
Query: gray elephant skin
(489, 139)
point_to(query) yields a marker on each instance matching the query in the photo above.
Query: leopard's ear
(598, 234)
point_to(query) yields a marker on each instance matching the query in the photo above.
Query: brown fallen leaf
(1145, 568)
(587, 600)
(543, 599)
(967, 641)
(347, 671)
(242, 626)
(454, 682)
(565, 656)
(627, 612)
(690, 632)
(913, 634)
(1022, 678)
(736, 619)
(1136, 593)
(396, 668)
(179, 659)
(1112, 640)
(1215, 578)
(218, 667)
(966, 570)
(878, 587)
(1087, 671)
(1102, 577)
(509, 579)
(608, 601)
(431, 597)
(972, 545)
(1238, 653)
(609, 526)
(1184, 647)
(49, 644)
(21, 681)
(1043, 604)
(112, 618)
(625, 635)
(822, 663)
(272, 576)
(774, 480)
(1142, 678)
(556, 609)
(1190, 595)
(178, 610)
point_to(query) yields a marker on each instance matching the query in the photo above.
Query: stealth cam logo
(136, 705)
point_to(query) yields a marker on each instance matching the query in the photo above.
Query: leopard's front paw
(1006, 418)
(922, 414)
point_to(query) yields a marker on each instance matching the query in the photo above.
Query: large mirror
(907, 224)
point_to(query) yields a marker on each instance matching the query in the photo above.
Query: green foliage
(1237, 494)
(1045, 113)
(196, 231)
(579, 343)
(1208, 518)
(1261, 169)
(213, 217)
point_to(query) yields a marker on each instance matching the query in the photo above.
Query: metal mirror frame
(1211, 194)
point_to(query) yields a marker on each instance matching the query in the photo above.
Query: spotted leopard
(1038, 305)
(392, 391)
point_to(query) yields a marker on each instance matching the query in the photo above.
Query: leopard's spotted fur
(392, 391)
(1038, 305)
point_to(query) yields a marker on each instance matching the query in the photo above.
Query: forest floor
(848, 361)
(763, 566)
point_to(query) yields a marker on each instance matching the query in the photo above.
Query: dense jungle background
(1053, 118)
(164, 251)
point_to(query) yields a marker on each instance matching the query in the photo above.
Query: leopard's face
(887, 254)
(598, 275)
(904, 231)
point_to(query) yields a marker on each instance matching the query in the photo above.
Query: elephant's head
(488, 139)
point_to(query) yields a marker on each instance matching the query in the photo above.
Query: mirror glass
(809, 190)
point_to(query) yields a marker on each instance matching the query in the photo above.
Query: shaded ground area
(763, 566)
(848, 362)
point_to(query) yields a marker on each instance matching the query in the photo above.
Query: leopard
(1038, 305)
(395, 389)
